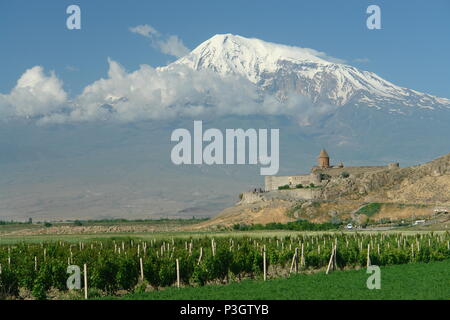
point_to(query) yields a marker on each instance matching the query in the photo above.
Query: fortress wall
(304, 179)
(351, 170)
(294, 194)
(251, 197)
(273, 182)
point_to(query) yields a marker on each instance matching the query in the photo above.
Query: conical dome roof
(323, 154)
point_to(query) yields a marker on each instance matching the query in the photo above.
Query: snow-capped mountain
(281, 69)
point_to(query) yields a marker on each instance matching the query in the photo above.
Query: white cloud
(168, 93)
(167, 44)
(173, 46)
(361, 60)
(34, 94)
(72, 68)
(144, 30)
(148, 93)
(323, 55)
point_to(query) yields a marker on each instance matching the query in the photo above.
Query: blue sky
(411, 50)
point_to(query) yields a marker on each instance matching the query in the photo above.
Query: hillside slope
(402, 193)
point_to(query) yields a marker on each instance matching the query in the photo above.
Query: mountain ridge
(280, 69)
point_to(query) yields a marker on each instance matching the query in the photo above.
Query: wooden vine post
(264, 263)
(335, 254)
(331, 259)
(141, 264)
(302, 260)
(178, 273)
(201, 254)
(85, 282)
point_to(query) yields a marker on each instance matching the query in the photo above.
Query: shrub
(285, 187)
(299, 186)
(324, 176)
(345, 174)
(103, 274)
(9, 285)
(370, 209)
(127, 274)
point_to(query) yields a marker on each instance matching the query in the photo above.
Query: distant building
(323, 160)
(321, 173)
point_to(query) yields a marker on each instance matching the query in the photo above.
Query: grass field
(12, 239)
(411, 281)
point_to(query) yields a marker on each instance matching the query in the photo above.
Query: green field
(410, 281)
(143, 265)
(146, 236)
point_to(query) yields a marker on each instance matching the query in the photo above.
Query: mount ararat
(95, 167)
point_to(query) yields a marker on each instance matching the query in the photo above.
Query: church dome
(323, 160)
(323, 154)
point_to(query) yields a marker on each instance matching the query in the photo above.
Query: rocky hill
(390, 194)
(428, 183)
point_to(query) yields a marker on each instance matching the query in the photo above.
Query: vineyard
(129, 265)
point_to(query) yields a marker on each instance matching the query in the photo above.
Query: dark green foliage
(151, 270)
(345, 174)
(9, 283)
(167, 272)
(370, 209)
(110, 269)
(127, 273)
(102, 274)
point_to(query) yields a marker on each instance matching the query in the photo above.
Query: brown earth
(70, 229)
(261, 213)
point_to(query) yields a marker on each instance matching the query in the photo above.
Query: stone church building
(323, 171)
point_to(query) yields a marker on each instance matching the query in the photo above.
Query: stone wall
(294, 194)
(273, 182)
(251, 197)
(334, 172)
(290, 195)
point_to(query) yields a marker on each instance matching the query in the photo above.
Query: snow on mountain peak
(233, 54)
(280, 69)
